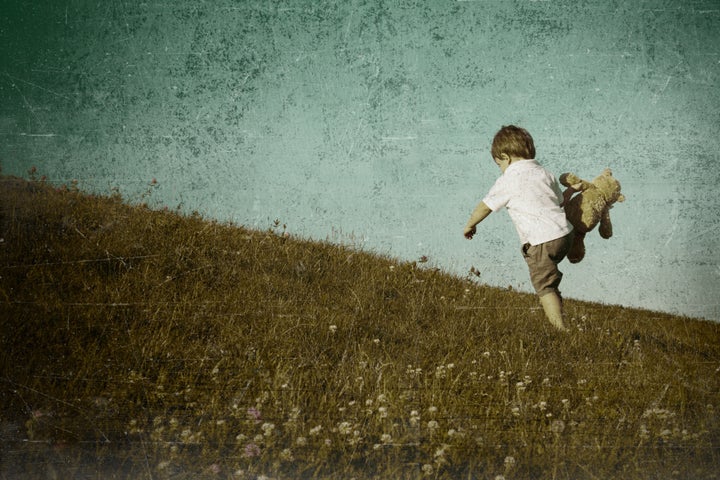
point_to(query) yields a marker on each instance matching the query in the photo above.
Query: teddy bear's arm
(605, 228)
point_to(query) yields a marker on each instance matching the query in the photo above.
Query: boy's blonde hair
(514, 142)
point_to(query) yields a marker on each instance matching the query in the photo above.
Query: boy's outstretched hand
(469, 232)
(477, 216)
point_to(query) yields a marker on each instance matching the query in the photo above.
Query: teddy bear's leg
(571, 180)
(567, 195)
(605, 228)
(577, 249)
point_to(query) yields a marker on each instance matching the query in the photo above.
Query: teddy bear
(589, 207)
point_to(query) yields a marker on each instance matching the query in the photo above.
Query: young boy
(533, 199)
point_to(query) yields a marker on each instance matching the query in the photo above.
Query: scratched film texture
(369, 121)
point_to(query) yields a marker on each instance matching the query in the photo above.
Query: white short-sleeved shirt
(532, 197)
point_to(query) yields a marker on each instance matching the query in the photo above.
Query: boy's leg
(542, 262)
(553, 307)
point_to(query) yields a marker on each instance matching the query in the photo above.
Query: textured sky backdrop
(369, 122)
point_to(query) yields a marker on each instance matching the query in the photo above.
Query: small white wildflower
(315, 431)
(382, 411)
(376, 341)
(432, 409)
(509, 461)
(440, 452)
(345, 428)
(432, 425)
(428, 469)
(386, 438)
(414, 418)
(268, 428)
(301, 441)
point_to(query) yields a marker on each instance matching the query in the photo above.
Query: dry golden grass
(148, 344)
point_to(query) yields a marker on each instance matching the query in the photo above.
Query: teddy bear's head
(609, 187)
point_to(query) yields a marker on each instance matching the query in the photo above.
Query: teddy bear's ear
(607, 172)
(621, 198)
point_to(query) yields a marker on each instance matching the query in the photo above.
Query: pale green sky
(370, 122)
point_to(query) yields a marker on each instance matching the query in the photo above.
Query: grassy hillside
(147, 344)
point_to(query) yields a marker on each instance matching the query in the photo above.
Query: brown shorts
(543, 262)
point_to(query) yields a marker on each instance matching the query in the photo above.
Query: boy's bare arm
(477, 216)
